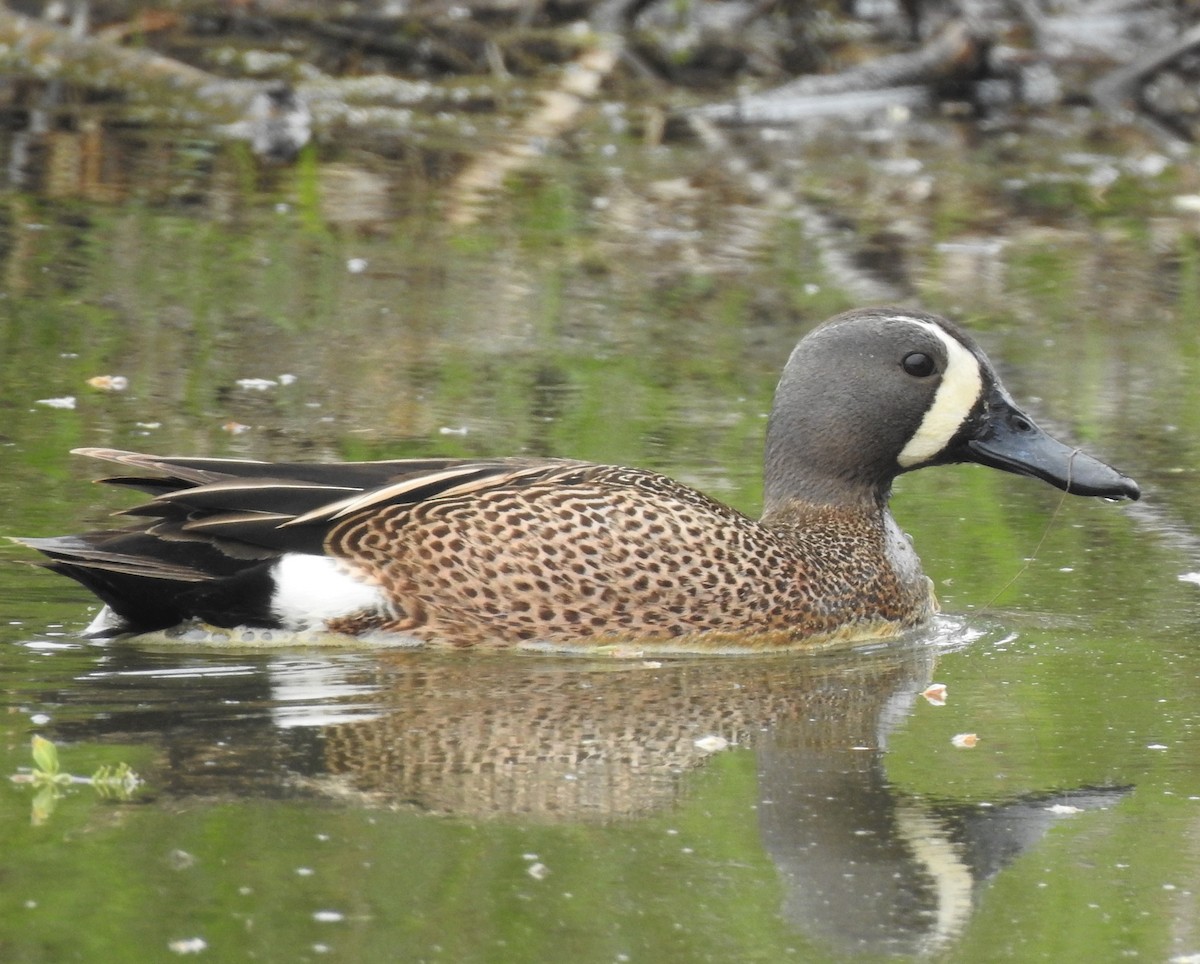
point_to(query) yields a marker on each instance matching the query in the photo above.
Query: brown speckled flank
(500, 552)
(579, 551)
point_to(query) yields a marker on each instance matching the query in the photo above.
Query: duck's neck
(807, 463)
(794, 491)
(803, 511)
(794, 504)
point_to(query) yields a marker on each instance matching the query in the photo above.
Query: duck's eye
(918, 364)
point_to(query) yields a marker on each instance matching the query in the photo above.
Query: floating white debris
(1156, 746)
(287, 378)
(328, 916)
(1192, 577)
(180, 860)
(900, 166)
(711, 744)
(1062, 808)
(675, 189)
(964, 741)
(66, 401)
(188, 945)
(109, 383)
(256, 384)
(1187, 203)
(356, 265)
(447, 430)
(538, 870)
(1150, 165)
(935, 694)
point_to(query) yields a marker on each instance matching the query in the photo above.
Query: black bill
(1006, 438)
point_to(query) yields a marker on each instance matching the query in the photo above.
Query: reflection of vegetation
(117, 782)
(1188, 304)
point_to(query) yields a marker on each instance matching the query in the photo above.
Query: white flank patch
(312, 589)
(105, 623)
(962, 384)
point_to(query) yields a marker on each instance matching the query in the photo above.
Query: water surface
(357, 805)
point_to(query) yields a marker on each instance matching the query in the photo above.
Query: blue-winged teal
(498, 551)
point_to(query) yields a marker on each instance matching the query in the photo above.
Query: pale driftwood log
(162, 89)
(789, 110)
(270, 116)
(36, 48)
(951, 51)
(902, 79)
(557, 112)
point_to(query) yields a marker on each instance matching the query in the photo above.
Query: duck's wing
(279, 507)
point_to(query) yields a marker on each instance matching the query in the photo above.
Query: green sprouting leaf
(45, 755)
(43, 805)
(116, 782)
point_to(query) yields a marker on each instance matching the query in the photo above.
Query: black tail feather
(153, 583)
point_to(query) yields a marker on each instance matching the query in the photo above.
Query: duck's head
(876, 392)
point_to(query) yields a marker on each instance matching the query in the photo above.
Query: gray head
(875, 392)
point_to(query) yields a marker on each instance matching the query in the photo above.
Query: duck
(504, 552)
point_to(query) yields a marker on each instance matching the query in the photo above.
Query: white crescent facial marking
(962, 384)
(311, 589)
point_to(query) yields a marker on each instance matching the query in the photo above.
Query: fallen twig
(1117, 86)
(1117, 92)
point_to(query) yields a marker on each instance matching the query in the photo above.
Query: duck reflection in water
(865, 864)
